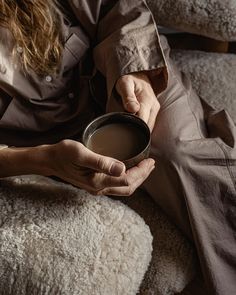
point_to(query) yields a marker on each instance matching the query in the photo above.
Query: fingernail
(117, 168)
(132, 105)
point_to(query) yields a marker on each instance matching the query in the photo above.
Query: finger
(111, 181)
(100, 163)
(136, 177)
(144, 112)
(99, 181)
(73, 182)
(152, 118)
(125, 88)
(140, 170)
(126, 191)
(93, 182)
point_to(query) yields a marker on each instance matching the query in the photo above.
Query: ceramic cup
(111, 132)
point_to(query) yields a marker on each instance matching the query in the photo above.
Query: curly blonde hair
(36, 26)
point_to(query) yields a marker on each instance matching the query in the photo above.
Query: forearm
(23, 161)
(128, 42)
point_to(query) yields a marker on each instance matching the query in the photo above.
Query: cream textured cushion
(213, 76)
(55, 240)
(211, 18)
(173, 258)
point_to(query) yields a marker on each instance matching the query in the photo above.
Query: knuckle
(99, 193)
(107, 181)
(75, 148)
(80, 145)
(95, 193)
(64, 143)
(125, 78)
(101, 163)
(130, 98)
(145, 173)
(129, 191)
(120, 82)
(128, 78)
(158, 106)
(80, 148)
(133, 189)
(92, 181)
(104, 192)
(128, 182)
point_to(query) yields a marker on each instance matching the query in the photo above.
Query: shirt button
(19, 49)
(3, 69)
(48, 78)
(71, 95)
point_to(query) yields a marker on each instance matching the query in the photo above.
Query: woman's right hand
(97, 174)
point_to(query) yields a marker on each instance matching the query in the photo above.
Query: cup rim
(144, 124)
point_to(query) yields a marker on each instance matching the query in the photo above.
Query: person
(62, 64)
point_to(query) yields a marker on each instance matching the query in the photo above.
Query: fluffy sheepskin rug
(55, 239)
(213, 76)
(211, 18)
(173, 258)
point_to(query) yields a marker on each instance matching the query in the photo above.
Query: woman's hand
(138, 97)
(97, 174)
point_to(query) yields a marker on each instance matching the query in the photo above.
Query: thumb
(101, 163)
(125, 87)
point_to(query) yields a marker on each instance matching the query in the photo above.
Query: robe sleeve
(126, 39)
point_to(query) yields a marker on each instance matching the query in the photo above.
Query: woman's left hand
(138, 97)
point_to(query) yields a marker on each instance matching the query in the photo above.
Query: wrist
(41, 159)
(29, 160)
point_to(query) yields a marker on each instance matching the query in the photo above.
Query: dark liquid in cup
(117, 140)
